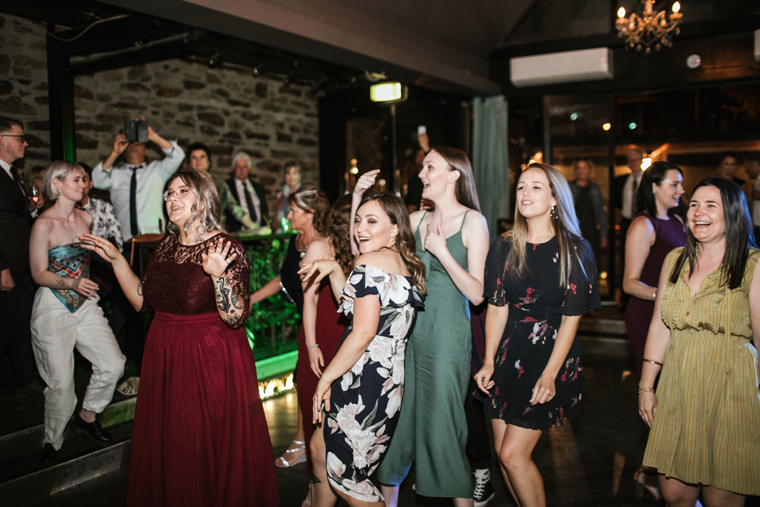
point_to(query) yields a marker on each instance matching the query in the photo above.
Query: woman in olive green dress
(705, 415)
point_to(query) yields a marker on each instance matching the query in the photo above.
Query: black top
(289, 279)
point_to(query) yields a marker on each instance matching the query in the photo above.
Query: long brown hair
(396, 211)
(739, 235)
(207, 208)
(457, 160)
(338, 232)
(565, 227)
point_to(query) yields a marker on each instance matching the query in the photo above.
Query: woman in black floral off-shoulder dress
(363, 385)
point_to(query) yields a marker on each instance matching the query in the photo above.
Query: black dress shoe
(93, 431)
(49, 455)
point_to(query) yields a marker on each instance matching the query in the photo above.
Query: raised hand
(216, 260)
(120, 144)
(104, 248)
(365, 181)
(434, 241)
(318, 269)
(151, 133)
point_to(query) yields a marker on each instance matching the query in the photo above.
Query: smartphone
(136, 130)
(421, 130)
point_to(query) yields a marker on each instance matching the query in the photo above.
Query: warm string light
(275, 386)
(651, 29)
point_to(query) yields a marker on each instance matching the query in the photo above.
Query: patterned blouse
(104, 221)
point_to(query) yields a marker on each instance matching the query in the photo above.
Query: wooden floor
(589, 462)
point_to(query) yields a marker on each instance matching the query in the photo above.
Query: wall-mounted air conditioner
(565, 67)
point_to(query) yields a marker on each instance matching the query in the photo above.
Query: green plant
(274, 323)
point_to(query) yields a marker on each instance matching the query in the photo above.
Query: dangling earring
(554, 215)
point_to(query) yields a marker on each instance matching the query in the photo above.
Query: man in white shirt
(249, 194)
(136, 187)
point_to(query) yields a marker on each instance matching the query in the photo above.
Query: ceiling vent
(565, 67)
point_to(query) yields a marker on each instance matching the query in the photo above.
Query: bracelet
(646, 390)
(652, 361)
(654, 294)
(313, 346)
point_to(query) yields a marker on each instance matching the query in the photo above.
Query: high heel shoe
(645, 480)
(282, 461)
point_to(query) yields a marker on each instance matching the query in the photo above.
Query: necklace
(66, 223)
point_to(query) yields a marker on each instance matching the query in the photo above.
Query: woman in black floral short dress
(539, 280)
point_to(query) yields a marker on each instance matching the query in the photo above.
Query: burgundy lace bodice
(174, 281)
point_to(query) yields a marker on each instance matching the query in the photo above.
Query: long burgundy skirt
(200, 435)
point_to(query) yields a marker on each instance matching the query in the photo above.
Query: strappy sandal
(282, 461)
(307, 501)
(129, 387)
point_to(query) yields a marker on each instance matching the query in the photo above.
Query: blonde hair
(565, 227)
(205, 212)
(58, 170)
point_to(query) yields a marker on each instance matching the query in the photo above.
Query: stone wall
(226, 109)
(229, 110)
(23, 84)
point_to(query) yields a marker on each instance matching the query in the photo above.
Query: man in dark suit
(624, 198)
(249, 194)
(16, 284)
(624, 189)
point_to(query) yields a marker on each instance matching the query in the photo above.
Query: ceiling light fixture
(651, 29)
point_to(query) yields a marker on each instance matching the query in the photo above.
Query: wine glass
(34, 196)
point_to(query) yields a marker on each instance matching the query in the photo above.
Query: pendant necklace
(66, 222)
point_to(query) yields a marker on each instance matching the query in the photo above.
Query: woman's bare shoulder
(387, 260)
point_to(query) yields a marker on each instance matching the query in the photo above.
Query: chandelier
(651, 29)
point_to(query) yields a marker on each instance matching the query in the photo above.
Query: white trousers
(55, 333)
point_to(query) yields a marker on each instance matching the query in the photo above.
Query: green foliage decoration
(274, 322)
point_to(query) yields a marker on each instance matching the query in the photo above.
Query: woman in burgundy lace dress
(200, 435)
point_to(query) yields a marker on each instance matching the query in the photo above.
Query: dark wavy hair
(312, 200)
(206, 211)
(739, 235)
(395, 209)
(645, 200)
(457, 160)
(199, 146)
(338, 232)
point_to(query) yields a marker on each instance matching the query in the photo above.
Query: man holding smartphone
(136, 186)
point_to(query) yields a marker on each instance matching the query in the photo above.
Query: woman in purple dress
(655, 230)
